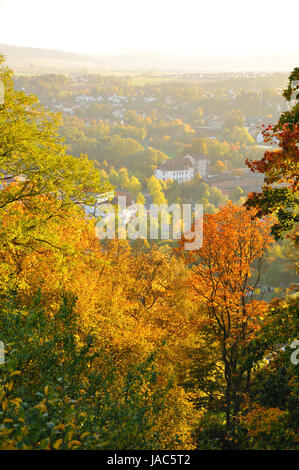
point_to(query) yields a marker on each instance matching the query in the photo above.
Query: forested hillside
(121, 344)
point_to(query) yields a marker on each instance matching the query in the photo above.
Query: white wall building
(182, 169)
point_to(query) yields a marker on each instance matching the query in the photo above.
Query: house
(260, 138)
(182, 169)
(149, 99)
(88, 99)
(119, 113)
(117, 99)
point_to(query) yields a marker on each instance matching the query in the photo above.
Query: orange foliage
(128, 299)
(221, 276)
(222, 282)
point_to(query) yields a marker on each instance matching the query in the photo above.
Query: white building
(260, 139)
(88, 99)
(182, 169)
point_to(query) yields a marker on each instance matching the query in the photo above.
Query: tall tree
(222, 281)
(279, 194)
(34, 157)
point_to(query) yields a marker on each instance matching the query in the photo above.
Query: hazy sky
(195, 27)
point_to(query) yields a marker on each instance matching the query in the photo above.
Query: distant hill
(36, 60)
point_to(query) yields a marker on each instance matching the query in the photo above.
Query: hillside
(37, 60)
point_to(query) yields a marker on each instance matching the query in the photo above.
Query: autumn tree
(222, 281)
(134, 186)
(140, 199)
(155, 189)
(237, 193)
(33, 156)
(280, 166)
(233, 118)
(270, 413)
